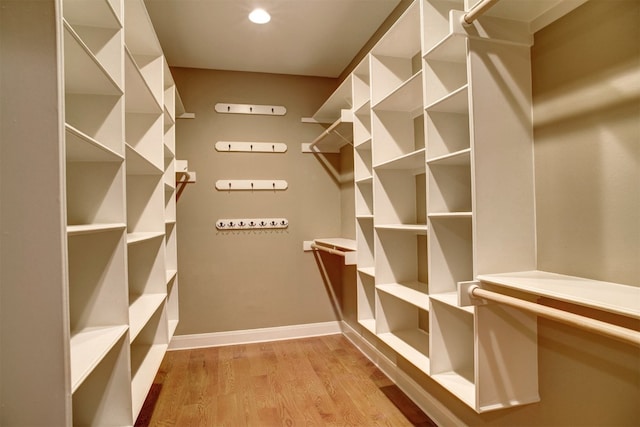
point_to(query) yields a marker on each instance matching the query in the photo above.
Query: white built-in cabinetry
(444, 196)
(117, 101)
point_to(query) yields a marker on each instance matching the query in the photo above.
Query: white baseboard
(434, 409)
(217, 339)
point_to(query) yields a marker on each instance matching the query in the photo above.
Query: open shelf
(104, 397)
(415, 293)
(81, 147)
(450, 252)
(606, 296)
(401, 257)
(399, 197)
(366, 295)
(407, 97)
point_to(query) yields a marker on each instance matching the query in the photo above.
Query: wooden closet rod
(477, 10)
(326, 249)
(619, 333)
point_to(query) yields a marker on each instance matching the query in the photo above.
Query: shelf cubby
(97, 297)
(452, 349)
(172, 301)
(436, 20)
(362, 85)
(140, 95)
(401, 257)
(143, 131)
(145, 203)
(443, 78)
(104, 398)
(100, 29)
(446, 133)
(362, 127)
(395, 134)
(449, 184)
(147, 281)
(365, 242)
(366, 301)
(362, 162)
(404, 327)
(147, 351)
(450, 252)
(98, 117)
(393, 59)
(95, 193)
(364, 198)
(399, 197)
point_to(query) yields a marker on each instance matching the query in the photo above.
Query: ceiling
(304, 37)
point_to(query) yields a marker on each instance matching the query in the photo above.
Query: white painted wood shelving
(121, 287)
(444, 197)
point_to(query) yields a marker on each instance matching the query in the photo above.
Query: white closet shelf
(88, 75)
(606, 296)
(365, 180)
(133, 238)
(366, 216)
(368, 324)
(171, 274)
(455, 102)
(80, 147)
(458, 385)
(412, 344)
(369, 271)
(76, 230)
(459, 158)
(138, 164)
(140, 97)
(452, 48)
(451, 215)
(451, 299)
(410, 228)
(88, 348)
(141, 309)
(100, 14)
(147, 360)
(414, 293)
(410, 161)
(331, 110)
(407, 97)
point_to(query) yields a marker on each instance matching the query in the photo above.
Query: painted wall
(253, 279)
(586, 71)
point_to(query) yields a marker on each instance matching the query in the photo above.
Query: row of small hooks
(251, 223)
(270, 110)
(251, 147)
(251, 185)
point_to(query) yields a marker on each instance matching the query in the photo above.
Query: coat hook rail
(265, 110)
(619, 333)
(251, 184)
(251, 147)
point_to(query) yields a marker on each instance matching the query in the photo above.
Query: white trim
(216, 339)
(434, 409)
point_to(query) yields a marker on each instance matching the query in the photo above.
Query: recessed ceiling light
(259, 16)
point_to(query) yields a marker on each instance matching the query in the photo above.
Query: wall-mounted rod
(329, 250)
(477, 10)
(619, 333)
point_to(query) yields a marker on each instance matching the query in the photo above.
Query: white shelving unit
(116, 302)
(444, 197)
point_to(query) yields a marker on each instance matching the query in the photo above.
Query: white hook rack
(251, 185)
(251, 147)
(267, 110)
(251, 223)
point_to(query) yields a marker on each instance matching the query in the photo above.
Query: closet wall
(587, 166)
(239, 280)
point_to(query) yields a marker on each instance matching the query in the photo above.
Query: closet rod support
(616, 332)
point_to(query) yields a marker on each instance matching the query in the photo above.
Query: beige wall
(253, 279)
(587, 159)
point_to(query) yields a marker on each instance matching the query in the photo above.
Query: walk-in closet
(346, 212)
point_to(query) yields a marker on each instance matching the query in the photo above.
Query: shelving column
(95, 206)
(480, 213)
(146, 227)
(399, 190)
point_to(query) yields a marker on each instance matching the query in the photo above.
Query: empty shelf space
(411, 161)
(451, 299)
(83, 71)
(415, 293)
(138, 164)
(140, 96)
(607, 296)
(133, 238)
(141, 308)
(80, 147)
(459, 158)
(145, 362)
(407, 97)
(369, 271)
(365, 180)
(368, 324)
(88, 347)
(459, 385)
(171, 274)
(455, 102)
(412, 344)
(452, 48)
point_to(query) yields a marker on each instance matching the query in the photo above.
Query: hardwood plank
(319, 381)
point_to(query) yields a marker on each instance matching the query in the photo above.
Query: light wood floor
(320, 381)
